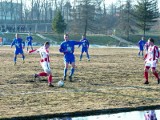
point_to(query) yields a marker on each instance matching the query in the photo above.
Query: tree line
(84, 16)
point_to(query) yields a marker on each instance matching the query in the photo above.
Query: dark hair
(151, 40)
(47, 43)
(66, 34)
(84, 35)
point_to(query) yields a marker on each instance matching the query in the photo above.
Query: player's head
(83, 36)
(151, 41)
(142, 38)
(17, 35)
(47, 44)
(29, 34)
(66, 36)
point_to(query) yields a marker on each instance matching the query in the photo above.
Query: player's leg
(31, 46)
(23, 57)
(142, 52)
(16, 52)
(87, 54)
(139, 52)
(72, 61)
(47, 69)
(155, 74)
(27, 47)
(146, 69)
(81, 55)
(47, 72)
(41, 74)
(15, 59)
(154, 64)
(65, 70)
(72, 71)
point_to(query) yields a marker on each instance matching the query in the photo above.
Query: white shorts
(151, 63)
(46, 66)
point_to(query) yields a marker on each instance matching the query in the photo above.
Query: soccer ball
(60, 83)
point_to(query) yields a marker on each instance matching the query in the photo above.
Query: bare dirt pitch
(112, 79)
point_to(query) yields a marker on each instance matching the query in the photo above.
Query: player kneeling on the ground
(151, 60)
(45, 63)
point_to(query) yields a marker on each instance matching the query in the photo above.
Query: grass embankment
(11, 36)
(93, 39)
(112, 79)
(135, 38)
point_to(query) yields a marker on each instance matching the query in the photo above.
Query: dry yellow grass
(112, 79)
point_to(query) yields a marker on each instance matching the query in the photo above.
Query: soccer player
(151, 60)
(67, 48)
(45, 62)
(29, 41)
(150, 115)
(141, 44)
(85, 47)
(19, 46)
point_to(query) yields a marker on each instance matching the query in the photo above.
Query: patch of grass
(112, 79)
(136, 38)
(11, 36)
(93, 39)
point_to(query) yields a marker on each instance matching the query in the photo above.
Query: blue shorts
(29, 44)
(69, 58)
(141, 48)
(84, 49)
(18, 51)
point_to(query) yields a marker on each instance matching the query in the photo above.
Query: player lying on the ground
(45, 62)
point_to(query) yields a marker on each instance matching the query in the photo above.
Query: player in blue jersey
(141, 44)
(67, 47)
(19, 46)
(85, 47)
(29, 41)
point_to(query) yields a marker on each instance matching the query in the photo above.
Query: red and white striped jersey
(152, 54)
(150, 115)
(44, 53)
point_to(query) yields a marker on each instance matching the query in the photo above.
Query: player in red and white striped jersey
(151, 60)
(45, 62)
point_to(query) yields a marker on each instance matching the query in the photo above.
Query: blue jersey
(141, 44)
(85, 43)
(19, 44)
(29, 39)
(67, 47)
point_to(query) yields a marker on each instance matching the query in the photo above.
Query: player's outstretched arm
(78, 43)
(13, 43)
(33, 51)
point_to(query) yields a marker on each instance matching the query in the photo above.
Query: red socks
(156, 75)
(50, 79)
(42, 74)
(45, 74)
(146, 76)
